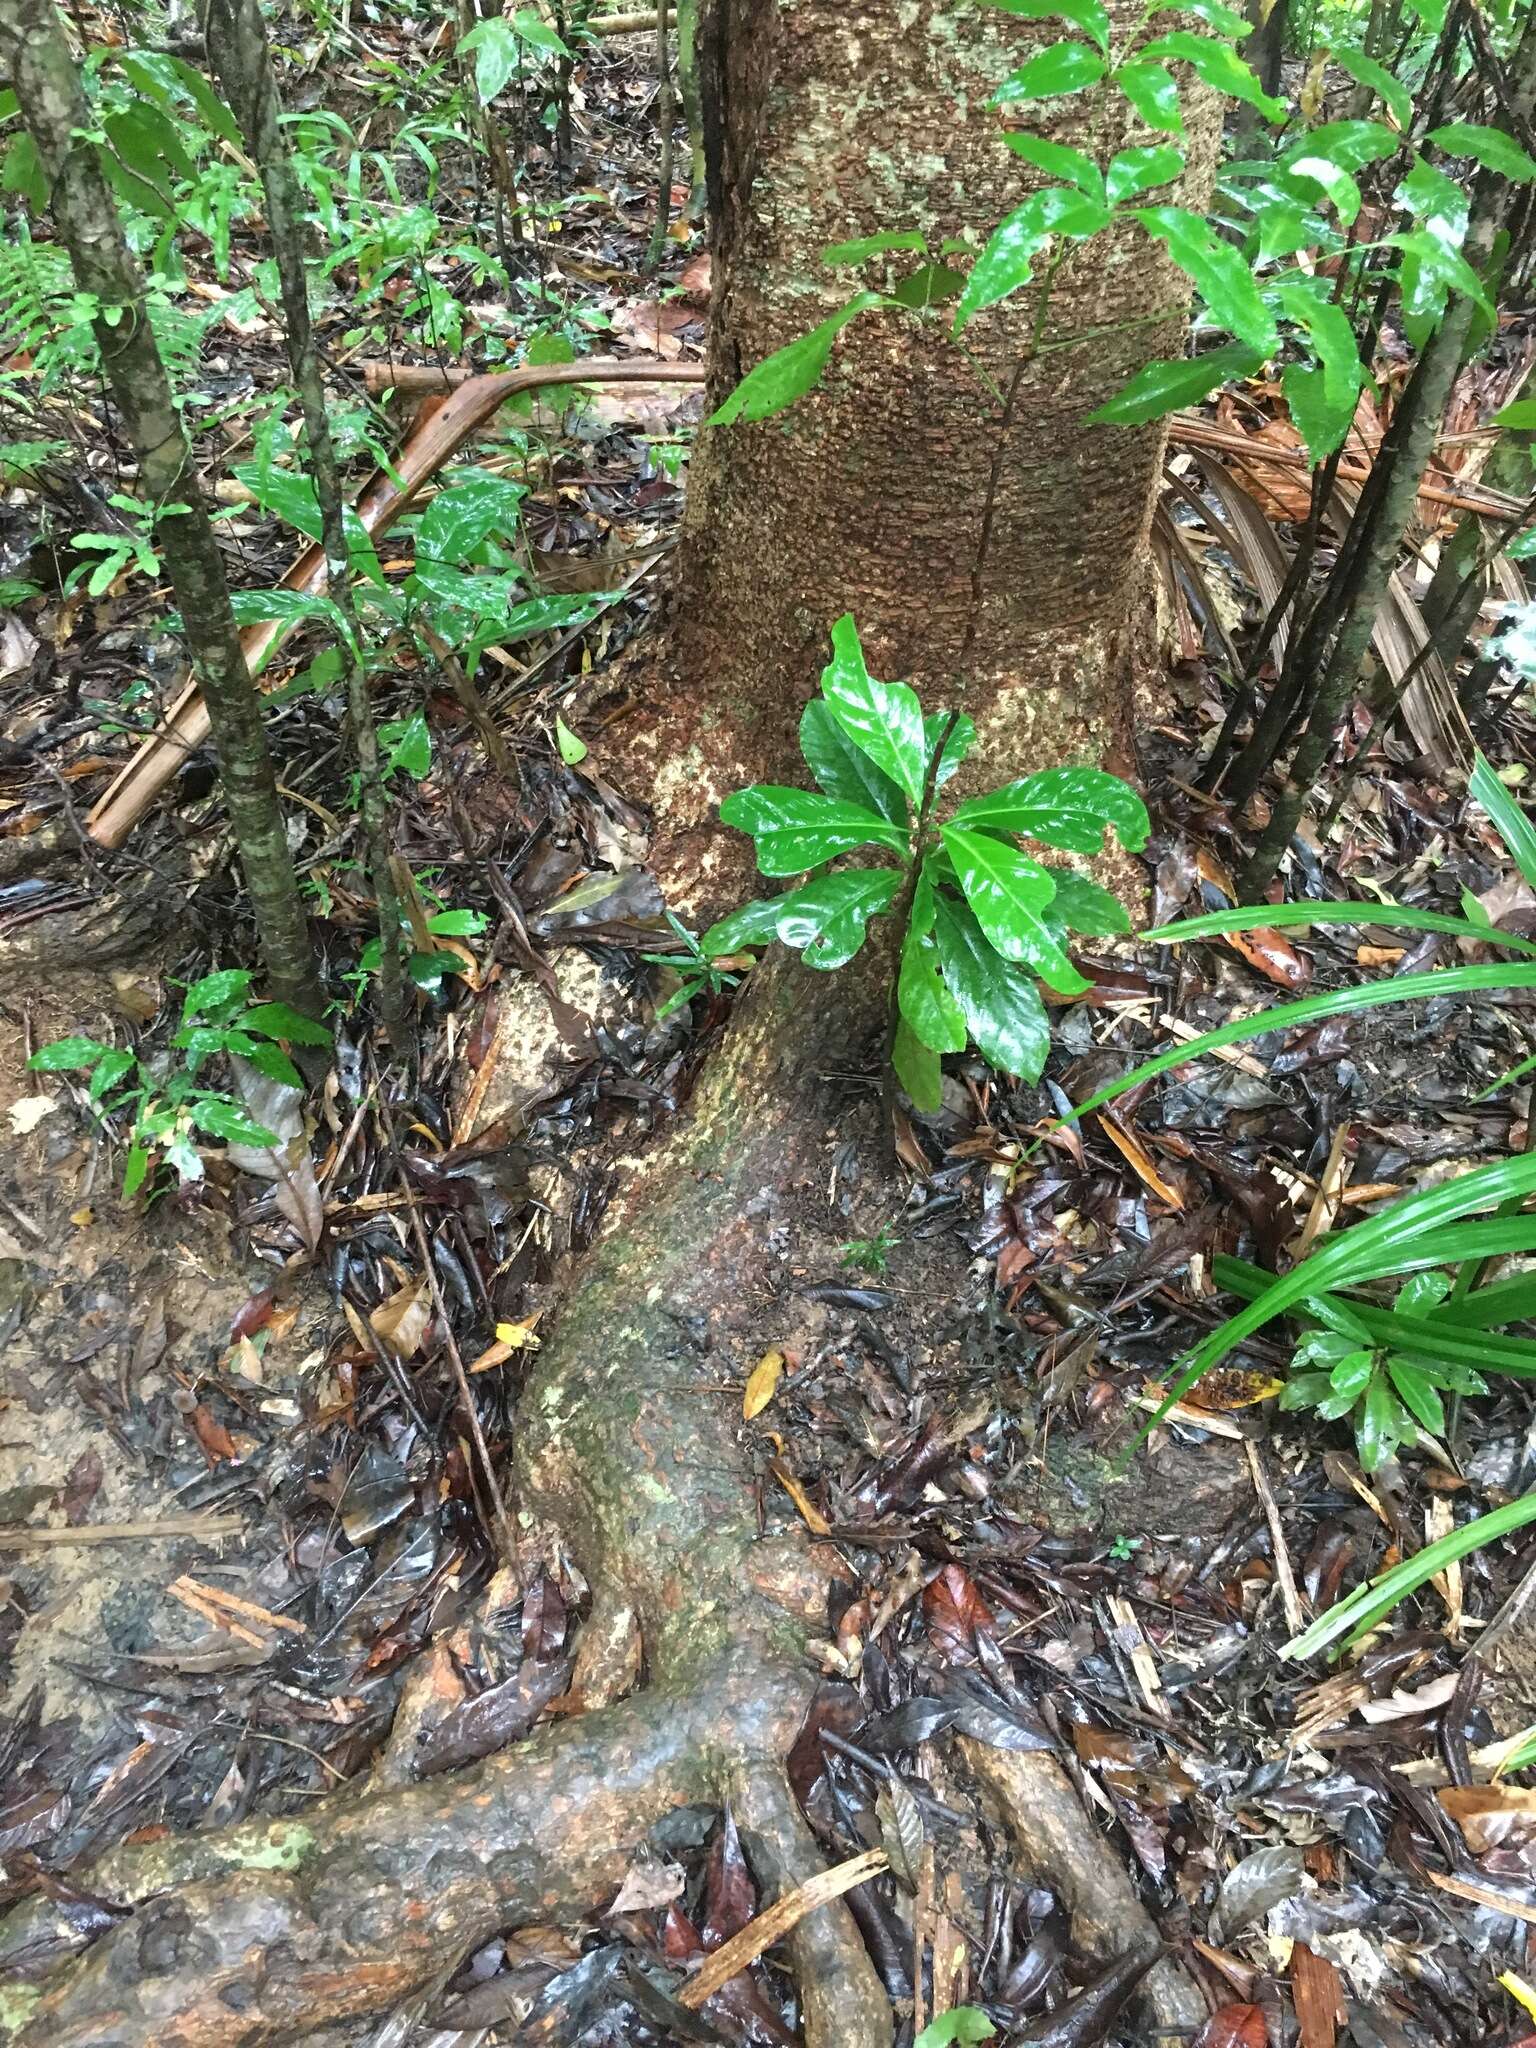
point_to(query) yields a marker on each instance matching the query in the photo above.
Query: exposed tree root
(1045, 1818)
(628, 1443)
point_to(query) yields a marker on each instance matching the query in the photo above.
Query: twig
(1290, 1599)
(168, 1529)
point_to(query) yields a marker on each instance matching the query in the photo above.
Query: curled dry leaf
(401, 1321)
(1234, 2026)
(762, 1384)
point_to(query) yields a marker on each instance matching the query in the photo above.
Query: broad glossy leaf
(1440, 205)
(999, 1002)
(466, 511)
(934, 284)
(1322, 400)
(1519, 416)
(1226, 21)
(789, 372)
(1490, 147)
(826, 920)
(1060, 68)
(1008, 891)
(1219, 66)
(884, 720)
(843, 769)
(1162, 388)
(1090, 16)
(214, 992)
(281, 1020)
(1222, 275)
(1057, 160)
(1349, 144)
(1382, 1425)
(1334, 181)
(1396, 98)
(1418, 1394)
(753, 925)
(1007, 262)
(962, 2024)
(917, 1067)
(1140, 170)
(929, 1008)
(497, 54)
(796, 829)
(1431, 272)
(1320, 424)
(221, 1119)
(65, 1054)
(1153, 92)
(1069, 808)
(1080, 905)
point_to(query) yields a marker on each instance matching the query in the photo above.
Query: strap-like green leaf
(1218, 65)
(1058, 160)
(1511, 822)
(1162, 388)
(1490, 147)
(1396, 98)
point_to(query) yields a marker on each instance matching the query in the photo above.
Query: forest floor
(950, 1369)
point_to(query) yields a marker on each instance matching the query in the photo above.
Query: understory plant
(163, 1103)
(978, 918)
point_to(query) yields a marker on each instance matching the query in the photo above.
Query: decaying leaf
(401, 1321)
(762, 1384)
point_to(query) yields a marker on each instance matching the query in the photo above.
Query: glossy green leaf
(1385, 916)
(272, 1061)
(1322, 400)
(1431, 272)
(1006, 263)
(754, 924)
(1356, 1615)
(796, 829)
(467, 510)
(1519, 416)
(790, 372)
(827, 919)
(1217, 65)
(1069, 808)
(963, 2024)
(1059, 68)
(883, 720)
(1008, 891)
(1153, 92)
(1080, 905)
(934, 284)
(134, 1170)
(1162, 388)
(1090, 16)
(66, 1054)
(1365, 71)
(917, 1067)
(1221, 273)
(215, 992)
(845, 770)
(1383, 1424)
(1440, 205)
(1489, 147)
(1057, 160)
(1510, 821)
(1418, 1394)
(1141, 170)
(1000, 1004)
(281, 1020)
(222, 1119)
(927, 1005)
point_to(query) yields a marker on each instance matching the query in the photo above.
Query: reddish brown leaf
(254, 1316)
(680, 1941)
(730, 1896)
(1315, 1992)
(79, 1489)
(955, 1612)
(1273, 955)
(543, 1619)
(215, 1439)
(1234, 2026)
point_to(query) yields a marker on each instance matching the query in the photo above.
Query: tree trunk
(36, 58)
(1001, 568)
(997, 565)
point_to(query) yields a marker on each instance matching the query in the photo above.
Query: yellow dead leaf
(1130, 1146)
(762, 1384)
(83, 1218)
(493, 1354)
(1519, 1990)
(814, 1519)
(519, 1336)
(401, 1321)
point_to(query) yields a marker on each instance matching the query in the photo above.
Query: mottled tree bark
(826, 121)
(35, 56)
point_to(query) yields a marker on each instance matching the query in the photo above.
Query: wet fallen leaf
(1273, 955)
(649, 1885)
(218, 1445)
(1231, 1387)
(730, 1896)
(810, 1514)
(519, 1336)
(762, 1384)
(1234, 2026)
(955, 1612)
(401, 1321)
(1130, 1146)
